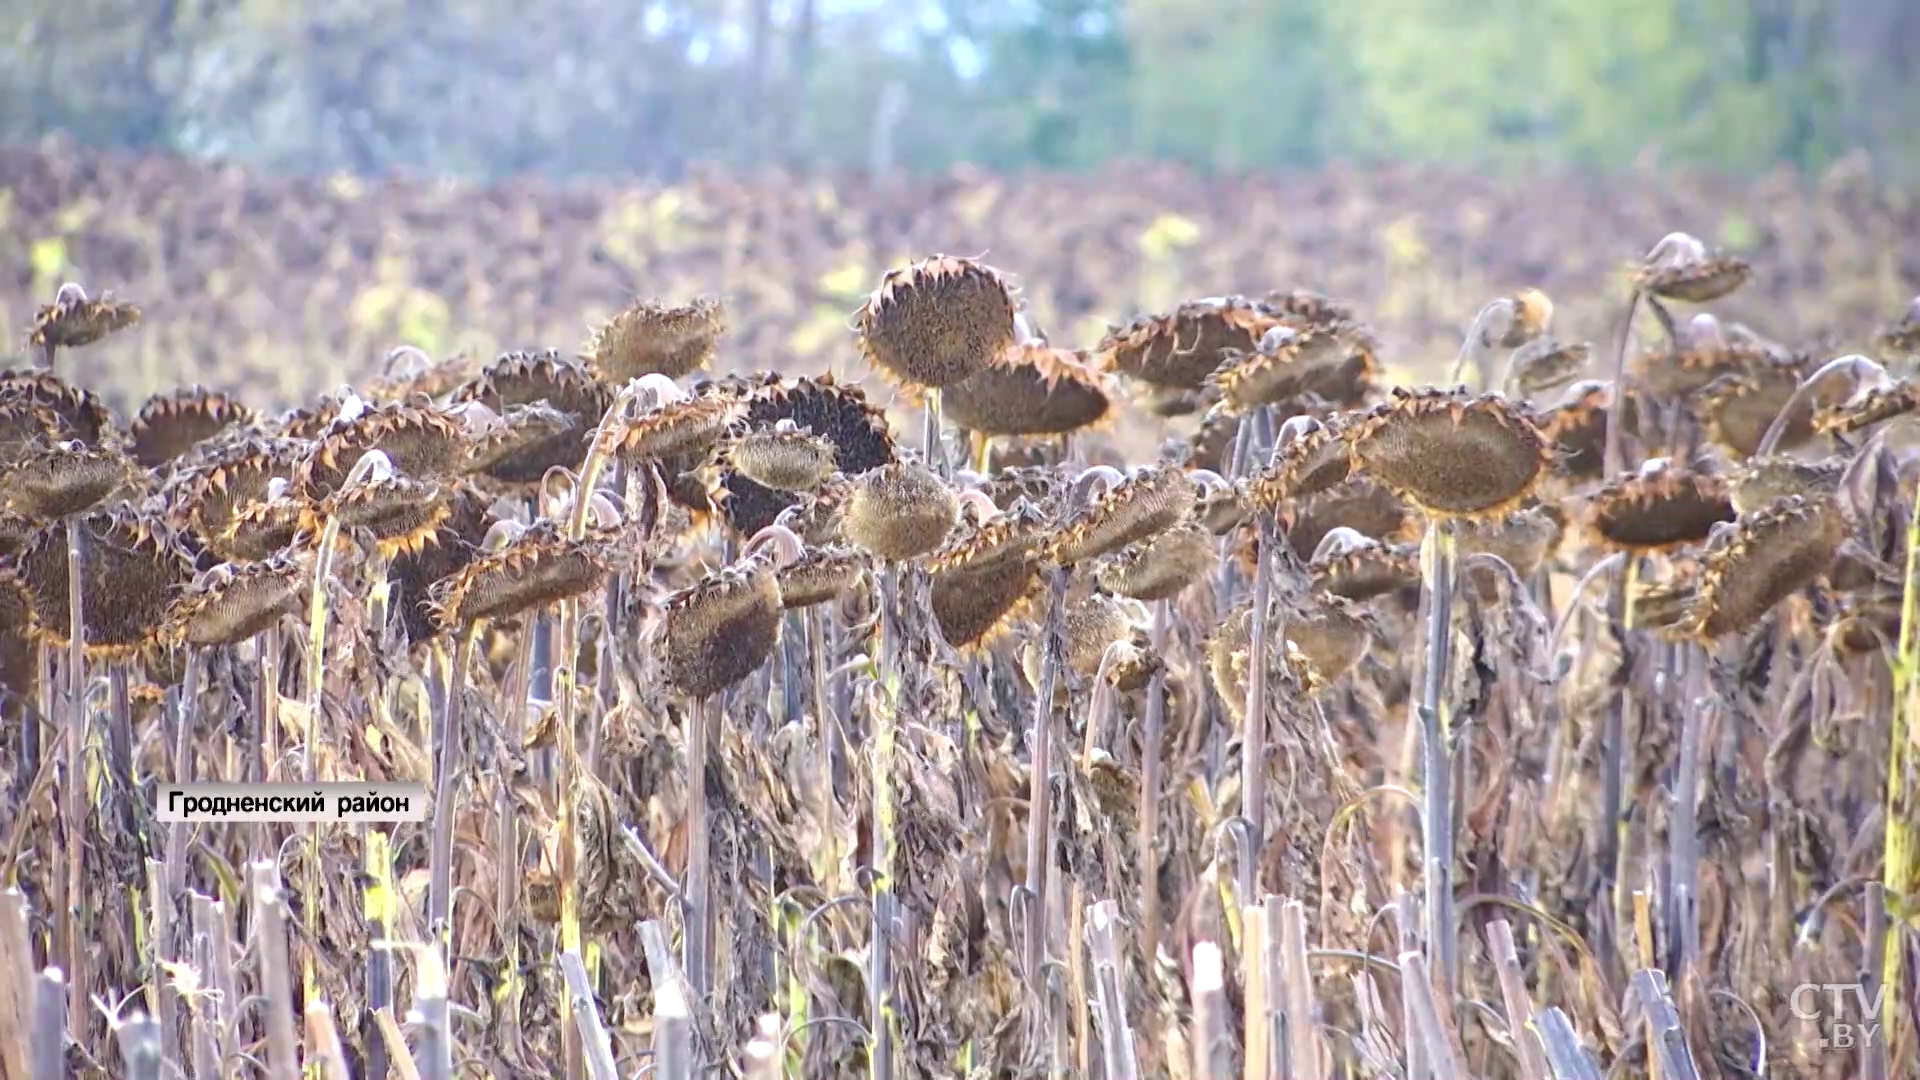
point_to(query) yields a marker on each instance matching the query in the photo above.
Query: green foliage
(484, 88)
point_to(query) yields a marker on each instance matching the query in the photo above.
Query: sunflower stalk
(49, 1048)
(318, 612)
(1253, 738)
(1902, 843)
(1437, 817)
(1153, 735)
(74, 793)
(446, 767)
(697, 949)
(885, 732)
(1116, 1034)
(1039, 801)
(276, 974)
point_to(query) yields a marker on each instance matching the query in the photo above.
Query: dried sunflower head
(1659, 509)
(1662, 605)
(78, 412)
(523, 443)
(408, 373)
(19, 673)
(782, 457)
(1363, 568)
(1230, 661)
(1092, 625)
(229, 483)
(1524, 540)
(454, 545)
(1332, 633)
(1029, 389)
(1181, 349)
(1876, 405)
(540, 567)
(1545, 364)
(1221, 507)
(1313, 457)
(232, 603)
(1532, 313)
(984, 577)
(422, 443)
(1149, 502)
(74, 320)
(1737, 410)
(1358, 503)
(397, 513)
(688, 428)
(938, 321)
(171, 424)
(528, 378)
(1211, 444)
(1169, 402)
(22, 425)
(899, 511)
(60, 479)
(1290, 363)
(841, 415)
(132, 566)
(1758, 561)
(1759, 482)
(1162, 566)
(1451, 455)
(820, 575)
(1681, 268)
(721, 629)
(1307, 308)
(654, 339)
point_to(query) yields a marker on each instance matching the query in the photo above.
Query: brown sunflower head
(22, 425)
(1307, 308)
(422, 443)
(1360, 568)
(1451, 455)
(1029, 389)
(1141, 506)
(75, 320)
(1313, 457)
(132, 566)
(1758, 561)
(1760, 482)
(986, 575)
(1681, 268)
(407, 373)
(233, 482)
(938, 321)
(1737, 410)
(690, 427)
(78, 413)
(1658, 509)
(1876, 405)
(526, 378)
(1661, 605)
(1289, 363)
(721, 629)
(899, 511)
(1220, 507)
(231, 603)
(56, 480)
(19, 672)
(541, 566)
(821, 575)
(1332, 633)
(1181, 349)
(839, 414)
(1532, 313)
(171, 424)
(1524, 540)
(1211, 444)
(1546, 364)
(652, 338)
(782, 457)
(1092, 625)
(1230, 660)
(1162, 566)
(397, 513)
(1358, 503)
(455, 544)
(522, 444)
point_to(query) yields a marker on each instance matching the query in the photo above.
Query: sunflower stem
(1437, 819)
(446, 767)
(1612, 458)
(695, 944)
(73, 805)
(1153, 735)
(1253, 736)
(1039, 801)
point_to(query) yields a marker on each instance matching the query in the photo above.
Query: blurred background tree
(486, 88)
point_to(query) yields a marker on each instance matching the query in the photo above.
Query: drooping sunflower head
(938, 321)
